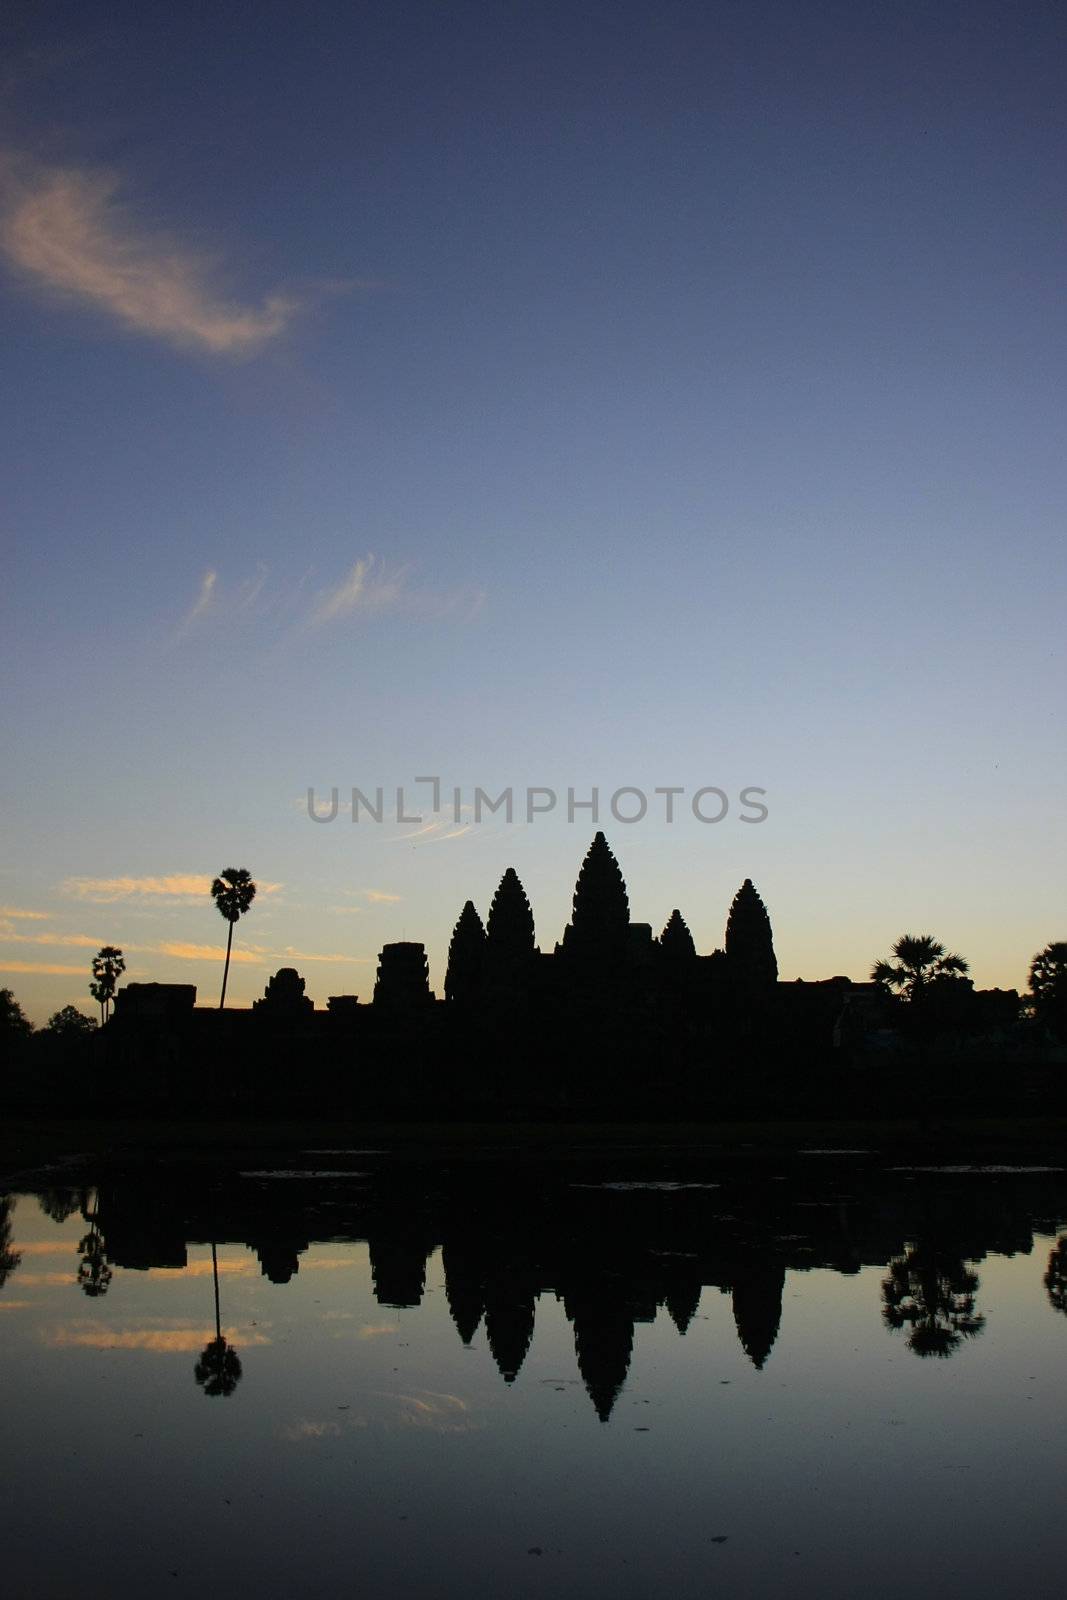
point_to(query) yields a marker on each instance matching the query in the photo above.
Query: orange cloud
(29, 916)
(173, 886)
(207, 952)
(305, 955)
(64, 228)
(203, 1269)
(48, 1280)
(164, 1341)
(49, 967)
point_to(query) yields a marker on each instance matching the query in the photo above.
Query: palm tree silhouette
(1048, 986)
(919, 958)
(108, 967)
(94, 1273)
(1056, 1276)
(9, 1258)
(931, 1292)
(218, 1368)
(233, 892)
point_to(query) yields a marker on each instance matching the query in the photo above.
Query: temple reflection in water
(613, 1250)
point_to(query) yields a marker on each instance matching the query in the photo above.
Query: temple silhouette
(614, 1020)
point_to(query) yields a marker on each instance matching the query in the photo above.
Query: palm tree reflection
(930, 1291)
(217, 1369)
(1056, 1276)
(9, 1258)
(94, 1273)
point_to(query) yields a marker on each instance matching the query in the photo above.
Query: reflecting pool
(349, 1371)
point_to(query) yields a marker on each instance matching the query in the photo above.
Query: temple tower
(466, 958)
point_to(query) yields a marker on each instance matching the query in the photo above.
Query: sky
(530, 395)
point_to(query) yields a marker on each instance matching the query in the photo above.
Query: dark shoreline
(30, 1144)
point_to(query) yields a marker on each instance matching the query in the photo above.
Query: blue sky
(530, 394)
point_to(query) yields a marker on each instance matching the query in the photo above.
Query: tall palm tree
(233, 892)
(218, 1367)
(108, 967)
(919, 958)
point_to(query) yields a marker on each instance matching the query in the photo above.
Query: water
(623, 1377)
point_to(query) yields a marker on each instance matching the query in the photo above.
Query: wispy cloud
(228, 1266)
(172, 886)
(306, 955)
(66, 229)
(381, 897)
(163, 1341)
(176, 949)
(438, 830)
(19, 914)
(371, 587)
(251, 588)
(442, 1413)
(46, 1280)
(80, 941)
(52, 968)
(181, 951)
(203, 602)
(247, 600)
(296, 1431)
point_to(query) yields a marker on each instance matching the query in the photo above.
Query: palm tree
(94, 1272)
(919, 959)
(9, 1258)
(108, 967)
(218, 1367)
(1048, 987)
(931, 1292)
(1056, 1276)
(233, 892)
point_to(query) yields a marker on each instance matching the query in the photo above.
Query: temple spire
(509, 927)
(600, 915)
(676, 941)
(749, 945)
(466, 955)
(510, 951)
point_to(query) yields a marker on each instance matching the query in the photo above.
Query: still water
(346, 1372)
